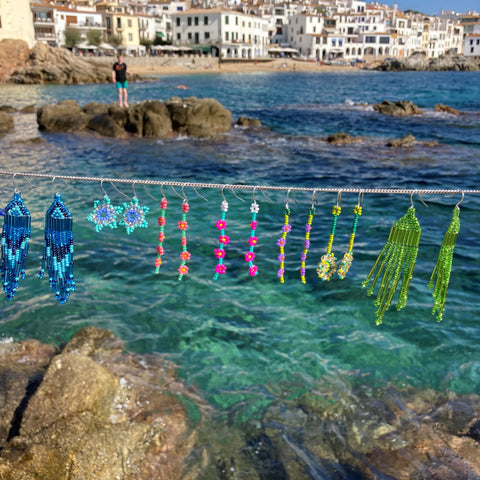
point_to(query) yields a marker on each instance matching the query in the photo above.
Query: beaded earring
(161, 233)
(328, 263)
(58, 250)
(347, 259)
(133, 215)
(15, 241)
(104, 214)
(252, 241)
(222, 240)
(399, 254)
(443, 267)
(306, 242)
(184, 254)
(286, 228)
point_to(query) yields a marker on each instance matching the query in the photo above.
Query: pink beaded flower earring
(252, 241)
(223, 239)
(183, 226)
(161, 233)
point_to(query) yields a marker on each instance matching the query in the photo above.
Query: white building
(16, 21)
(471, 42)
(226, 33)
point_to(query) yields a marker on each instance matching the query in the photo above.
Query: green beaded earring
(443, 266)
(399, 254)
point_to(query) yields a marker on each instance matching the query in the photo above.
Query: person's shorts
(122, 84)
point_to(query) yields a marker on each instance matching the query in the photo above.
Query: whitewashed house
(225, 33)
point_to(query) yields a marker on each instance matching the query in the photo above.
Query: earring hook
(201, 196)
(339, 198)
(121, 193)
(185, 199)
(235, 195)
(13, 181)
(461, 200)
(134, 192)
(161, 189)
(148, 193)
(101, 186)
(253, 194)
(361, 195)
(314, 198)
(288, 193)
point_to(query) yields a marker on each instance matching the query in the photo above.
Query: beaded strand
(184, 254)
(328, 263)
(286, 227)
(222, 240)
(161, 234)
(347, 259)
(306, 242)
(252, 241)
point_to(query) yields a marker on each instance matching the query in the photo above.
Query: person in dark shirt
(119, 76)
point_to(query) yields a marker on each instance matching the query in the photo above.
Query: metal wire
(233, 187)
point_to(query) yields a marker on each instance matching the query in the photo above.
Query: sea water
(245, 342)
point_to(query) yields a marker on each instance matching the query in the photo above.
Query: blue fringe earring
(58, 250)
(15, 241)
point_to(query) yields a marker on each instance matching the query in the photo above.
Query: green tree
(72, 37)
(146, 43)
(115, 40)
(95, 37)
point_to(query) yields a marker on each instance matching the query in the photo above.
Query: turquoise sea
(245, 343)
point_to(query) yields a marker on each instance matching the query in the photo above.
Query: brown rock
(28, 109)
(403, 142)
(445, 108)
(66, 116)
(13, 55)
(156, 120)
(100, 413)
(94, 108)
(248, 122)
(342, 138)
(6, 123)
(7, 109)
(105, 125)
(400, 108)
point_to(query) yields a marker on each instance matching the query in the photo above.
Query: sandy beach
(192, 66)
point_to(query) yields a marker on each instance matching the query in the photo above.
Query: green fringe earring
(443, 266)
(399, 254)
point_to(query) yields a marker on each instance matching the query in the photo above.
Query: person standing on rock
(119, 76)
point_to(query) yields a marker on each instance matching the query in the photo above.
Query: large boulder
(6, 123)
(105, 126)
(94, 411)
(156, 120)
(58, 65)
(400, 108)
(199, 117)
(13, 55)
(66, 116)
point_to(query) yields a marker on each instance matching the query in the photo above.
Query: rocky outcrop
(248, 122)
(420, 62)
(90, 411)
(6, 123)
(403, 142)
(152, 118)
(13, 55)
(342, 138)
(400, 108)
(446, 109)
(47, 64)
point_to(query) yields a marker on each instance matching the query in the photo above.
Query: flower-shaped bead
(253, 224)
(286, 228)
(252, 241)
(183, 225)
(185, 207)
(221, 224)
(224, 239)
(249, 256)
(163, 203)
(253, 270)
(254, 208)
(183, 269)
(281, 242)
(221, 268)
(161, 221)
(185, 256)
(219, 252)
(281, 257)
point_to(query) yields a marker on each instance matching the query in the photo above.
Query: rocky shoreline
(420, 63)
(90, 409)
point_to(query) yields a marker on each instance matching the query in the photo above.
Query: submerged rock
(248, 122)
(151, 118)
(400, 108)
(403, 142)
(91, 411)
(6, 123)
(445, 108)
(342, 138)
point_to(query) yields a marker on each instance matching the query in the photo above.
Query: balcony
(42, 21)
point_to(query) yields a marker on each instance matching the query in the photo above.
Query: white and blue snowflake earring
(133, 215)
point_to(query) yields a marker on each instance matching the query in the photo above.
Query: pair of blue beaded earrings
(132, 214)
(57, 256)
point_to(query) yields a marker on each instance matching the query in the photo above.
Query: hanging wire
(234, 187)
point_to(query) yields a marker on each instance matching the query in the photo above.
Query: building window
(384, 40)
(129, 22)
(178, 22)
(179, 37)
(471, 49)
(226, 19)
(334, 42)
(189, 21)
(196, 21)
(189, 35)
(205, 20)
(226, 36)
(369, 39)
(119, 22)
(130, 37)
(207, 35)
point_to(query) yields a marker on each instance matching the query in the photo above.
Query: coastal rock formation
(47, 64)
(342, 138)
(343, 432)
(403, 142)
(419, 62)
(248, 122)
(445, 108)
(13, 54)
(90, 411)
(152, 118)
(6, 123)
(400, 108)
